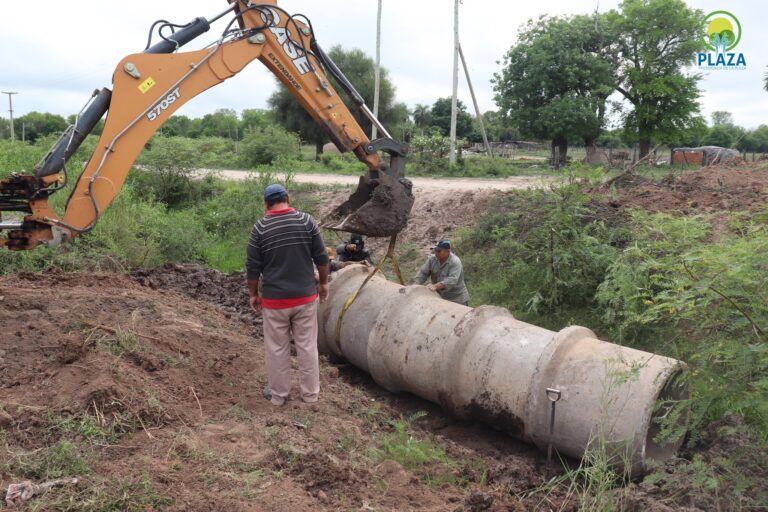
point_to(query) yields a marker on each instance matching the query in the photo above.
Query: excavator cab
(148, 87)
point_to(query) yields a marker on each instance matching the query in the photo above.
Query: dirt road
(460, 184)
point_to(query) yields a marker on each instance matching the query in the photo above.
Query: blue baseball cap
(442, 244)
(275, 192)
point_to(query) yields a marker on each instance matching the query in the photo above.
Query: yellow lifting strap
(390, 255)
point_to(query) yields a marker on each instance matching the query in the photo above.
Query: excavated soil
(179, 380)
(742, 187)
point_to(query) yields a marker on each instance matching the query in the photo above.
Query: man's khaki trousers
(278, 325)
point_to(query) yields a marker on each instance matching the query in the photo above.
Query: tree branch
(729, 299)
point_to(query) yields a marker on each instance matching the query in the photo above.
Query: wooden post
(474, 101)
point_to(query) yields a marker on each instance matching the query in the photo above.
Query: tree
(359, 70)
(755, 141)
(251, 118)
(5, 128)
(222, 123)
(176, 126)
(497, 127)
(652, 44)
(719, 135)
(721, 117)
(421, 117)
(555, 81)
(37, 124)
(440, 115)
(724, 132)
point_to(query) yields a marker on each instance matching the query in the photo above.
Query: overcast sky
(55, 53)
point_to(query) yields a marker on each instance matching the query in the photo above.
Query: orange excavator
(149, 87)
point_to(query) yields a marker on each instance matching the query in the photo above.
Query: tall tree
(440, 116)
(653, 43)
(421, 117)
(359, 70)
(721, 117)
(555, 81)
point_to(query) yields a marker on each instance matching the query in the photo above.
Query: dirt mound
(102, 344)
(226, 291)
(708, 190)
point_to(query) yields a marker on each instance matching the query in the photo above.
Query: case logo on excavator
(283, 36)
(163, 104)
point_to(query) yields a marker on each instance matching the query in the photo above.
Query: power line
(10, 108)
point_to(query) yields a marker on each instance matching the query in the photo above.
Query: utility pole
(452, 154)
(10, 108)
(377, 82)
(474, 100)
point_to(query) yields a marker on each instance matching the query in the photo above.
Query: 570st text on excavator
(148, 87)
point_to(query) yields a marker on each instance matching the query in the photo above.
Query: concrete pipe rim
(676, 388)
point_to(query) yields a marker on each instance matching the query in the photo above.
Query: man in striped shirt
(283, 250)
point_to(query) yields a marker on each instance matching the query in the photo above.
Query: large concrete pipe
(484, 364)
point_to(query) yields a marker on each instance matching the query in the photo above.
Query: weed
(101, 495)
(346, 442)
(238, 413)
(121, 342)
(271, 433)
(375, 416)
(62, 459)
(289, 454)
(87, 427)
(421, 454)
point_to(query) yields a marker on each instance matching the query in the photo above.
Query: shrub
(704, 303)
(540, 253)
(166, 170)
(264, 145)
(216, 153)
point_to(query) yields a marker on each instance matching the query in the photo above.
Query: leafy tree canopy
(652, 42)
(359, 70)
(440, 117)
(555, 81)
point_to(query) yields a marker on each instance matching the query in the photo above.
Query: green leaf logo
(720, 30)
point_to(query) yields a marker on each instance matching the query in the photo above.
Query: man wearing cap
(445, 271)
(354, 250)
(283, 250)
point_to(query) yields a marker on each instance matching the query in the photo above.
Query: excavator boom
(149, 87)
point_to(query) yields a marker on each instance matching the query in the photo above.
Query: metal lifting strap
(391, 255)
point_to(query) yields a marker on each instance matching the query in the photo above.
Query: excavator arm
(149, 87)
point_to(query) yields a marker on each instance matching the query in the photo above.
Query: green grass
(86, 427)
(419, 453)
(104, 494)
(63, 459)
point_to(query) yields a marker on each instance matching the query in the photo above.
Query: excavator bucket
(379, 207)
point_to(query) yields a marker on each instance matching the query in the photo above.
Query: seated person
(354, 250)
